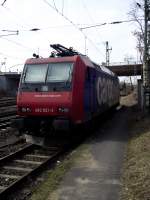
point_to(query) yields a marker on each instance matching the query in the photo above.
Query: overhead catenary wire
(26, 25)
(90, 17)
(80, 26)
(62, 6)
(54, 4)
(62, 13)
(19, 19)
(69, 20)
(76, 25)
(105, 23)
(10, 56)
(17, 43)
(3, 2)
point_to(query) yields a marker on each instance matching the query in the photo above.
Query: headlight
(28, 109)
(24, 109)
(63, 110)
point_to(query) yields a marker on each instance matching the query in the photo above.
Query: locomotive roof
(98, 67)
(106, 70)
(51, 59)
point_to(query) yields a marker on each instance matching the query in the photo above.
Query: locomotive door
(89, 93)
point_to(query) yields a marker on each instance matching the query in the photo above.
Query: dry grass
(136, 175)
(129, 100)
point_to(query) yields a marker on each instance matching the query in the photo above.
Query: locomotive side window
(35, 73)
(59, 72)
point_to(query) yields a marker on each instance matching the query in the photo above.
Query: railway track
(5, 128)
(5, 125)
(7, 106)
(11, 146)
(7, 110)
(7, 118)
(18, 166)
(7, 102)
(5, 122)
(8, 135)
(5, 98)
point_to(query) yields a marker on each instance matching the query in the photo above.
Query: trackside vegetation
(136, 171)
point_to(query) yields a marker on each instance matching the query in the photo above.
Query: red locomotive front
(47, 94)
(62, 91)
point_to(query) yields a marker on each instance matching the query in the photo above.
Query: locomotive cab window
(52, 76)
(59, 72)
(35, 73)
(50, 73)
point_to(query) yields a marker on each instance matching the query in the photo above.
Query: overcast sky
(24, 15)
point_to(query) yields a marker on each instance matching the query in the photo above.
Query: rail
(18, 166)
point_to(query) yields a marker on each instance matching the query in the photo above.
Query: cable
(115, 22)
(21, 21)
(3, 3)
(62, 6)
(18, 44)
(90, 17)
(63, 26)
(54, 4)
(10, 56)
(66, 18)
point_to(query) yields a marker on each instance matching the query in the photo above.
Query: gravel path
(96, 174)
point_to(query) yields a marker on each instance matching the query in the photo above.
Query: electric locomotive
(62, 91)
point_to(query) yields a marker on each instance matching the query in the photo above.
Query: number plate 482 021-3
(44, 110)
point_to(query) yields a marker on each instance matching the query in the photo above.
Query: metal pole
(107, 58)
(85, 45)
(107, 53)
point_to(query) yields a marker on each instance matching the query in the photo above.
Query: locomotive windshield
(57, 76)
(59, 72)
(35, 73)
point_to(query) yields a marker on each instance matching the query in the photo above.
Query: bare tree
(137, 14)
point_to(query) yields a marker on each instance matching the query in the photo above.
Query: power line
(12, 32)
(62, 6)
(3, 2)
(19, 21)
(3, 54)
(90, 17)
(105, 23)
(61, 14)
(18, 44)
(69, 20)
(63, 26)
(54, 4)
(9, 32)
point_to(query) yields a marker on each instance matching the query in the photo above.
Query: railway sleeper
(28, 162)
(18, 168)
